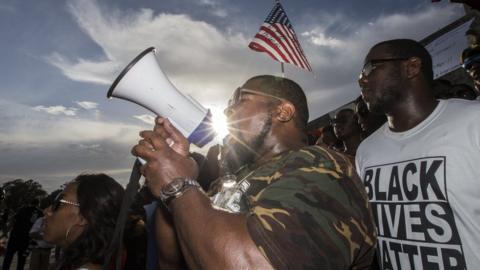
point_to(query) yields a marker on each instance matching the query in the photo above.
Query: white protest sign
(447, 49)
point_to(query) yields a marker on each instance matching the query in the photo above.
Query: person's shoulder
(460, 101)
(314, 154)
(461, 111)
(291, 161)
(320, 196)
(461, 106)
(372, 140)
(39, 221)
(313, 163)
(306, 152)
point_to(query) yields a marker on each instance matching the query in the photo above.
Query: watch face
(174, 186)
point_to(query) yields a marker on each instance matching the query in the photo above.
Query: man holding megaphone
(296, 206)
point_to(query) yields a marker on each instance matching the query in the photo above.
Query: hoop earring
(68, 232)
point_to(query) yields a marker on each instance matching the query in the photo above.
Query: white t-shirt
(424, 186)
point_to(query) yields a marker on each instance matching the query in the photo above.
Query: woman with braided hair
(82, 220)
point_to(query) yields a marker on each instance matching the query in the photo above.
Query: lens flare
(219, 122)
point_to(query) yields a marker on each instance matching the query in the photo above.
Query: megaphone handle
(141, 160)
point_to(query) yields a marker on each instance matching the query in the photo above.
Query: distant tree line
(18, 193)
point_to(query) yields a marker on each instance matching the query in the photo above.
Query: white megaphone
(144, 83)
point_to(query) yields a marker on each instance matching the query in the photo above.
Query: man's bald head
(407, 48)
(282, 88)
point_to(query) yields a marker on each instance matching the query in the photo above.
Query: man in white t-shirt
(419, 169)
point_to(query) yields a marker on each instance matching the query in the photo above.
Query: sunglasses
(470, 61)
(59, 201)
(371, 65)
(237, 96)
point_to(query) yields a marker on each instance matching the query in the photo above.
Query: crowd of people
(390, 184)
(300, 206)
(74, 230)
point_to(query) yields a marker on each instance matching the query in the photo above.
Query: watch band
(176, 188)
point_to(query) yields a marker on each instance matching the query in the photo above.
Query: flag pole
(283, 70)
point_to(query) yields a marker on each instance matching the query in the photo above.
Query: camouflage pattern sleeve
(313, 213)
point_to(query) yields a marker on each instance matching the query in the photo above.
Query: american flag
(277, 38)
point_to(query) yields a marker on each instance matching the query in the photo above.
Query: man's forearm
(213, 239)
(169, 255)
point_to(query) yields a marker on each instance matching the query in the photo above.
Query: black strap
(116, 245)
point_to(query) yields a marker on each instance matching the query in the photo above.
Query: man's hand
(172, 135)
(166, 152)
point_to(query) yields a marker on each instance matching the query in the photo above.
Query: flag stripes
(277, 38)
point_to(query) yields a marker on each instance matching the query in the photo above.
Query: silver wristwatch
(176, 188)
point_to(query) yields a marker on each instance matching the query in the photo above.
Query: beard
(392, 93)
(239, 152)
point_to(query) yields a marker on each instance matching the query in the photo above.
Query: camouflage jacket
(307, 209)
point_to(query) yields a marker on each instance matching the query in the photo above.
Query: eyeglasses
(372, 65)
(59, 201)
(469, 62)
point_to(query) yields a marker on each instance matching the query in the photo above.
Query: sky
(59, 58)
